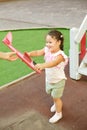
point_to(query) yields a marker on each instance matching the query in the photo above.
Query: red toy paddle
(24, 57)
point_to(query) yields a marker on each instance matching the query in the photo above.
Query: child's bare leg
(58, 104)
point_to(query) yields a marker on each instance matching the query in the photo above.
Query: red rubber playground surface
(25, 105)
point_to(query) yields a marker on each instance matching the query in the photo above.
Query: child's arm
(50, 64)
(36, 53)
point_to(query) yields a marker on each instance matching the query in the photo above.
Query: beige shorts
(55, 89)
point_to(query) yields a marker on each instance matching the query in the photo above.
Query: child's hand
(39, 66)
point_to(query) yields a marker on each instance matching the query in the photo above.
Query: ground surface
(21, 14)
(25, 105)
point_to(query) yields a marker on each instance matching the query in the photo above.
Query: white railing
(76, 36)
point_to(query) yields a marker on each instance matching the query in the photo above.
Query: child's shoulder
(60, 52)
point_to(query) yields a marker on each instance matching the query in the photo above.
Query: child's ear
(59, 42)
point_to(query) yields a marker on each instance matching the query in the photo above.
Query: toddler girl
(55, 61)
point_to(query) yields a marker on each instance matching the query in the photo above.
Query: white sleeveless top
(56, 73)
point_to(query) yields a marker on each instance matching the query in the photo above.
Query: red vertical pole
(83, 46)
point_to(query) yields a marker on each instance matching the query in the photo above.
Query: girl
(55, 61)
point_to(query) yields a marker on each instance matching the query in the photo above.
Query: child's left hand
(39, 66)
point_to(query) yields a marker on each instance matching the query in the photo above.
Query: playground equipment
(78, 54)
